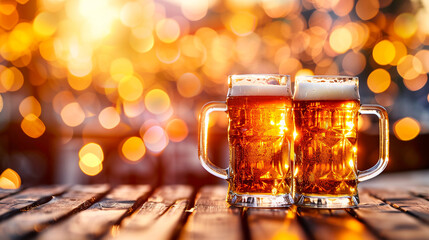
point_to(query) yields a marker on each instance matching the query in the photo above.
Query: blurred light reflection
(107, 70)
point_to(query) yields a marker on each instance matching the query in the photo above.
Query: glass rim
(283, 78)
(257, 75)
(327, 77)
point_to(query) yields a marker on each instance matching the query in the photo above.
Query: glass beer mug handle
(384, 141)
(202, 135)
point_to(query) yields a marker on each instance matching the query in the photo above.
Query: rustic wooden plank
(158, 217)
(333, 224)
(212, 217)
(27, 224)
(421, 191)
(7, 192)
(403, 200)
(100, 216)
(274, 224)
(27, 199)
(388, 222)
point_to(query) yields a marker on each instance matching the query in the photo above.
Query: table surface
(394, 206)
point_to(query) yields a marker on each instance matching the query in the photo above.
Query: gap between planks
(388, 222)
(28, 199)
(101, 216)
(29, 224)
(405, 201)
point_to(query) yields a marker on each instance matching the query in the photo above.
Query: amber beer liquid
(326, 147)
(326, 111)
(260, 136)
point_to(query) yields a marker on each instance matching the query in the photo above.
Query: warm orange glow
(304, 72)
(131, 13)
(276, 9)
(384, 52)
(32, 126)
(89, 170)
(194, 10)
(80, 67)
(409, 67)
(44, 24)
(168, 30)
(157, 101)
(189, 85)
(367, 9)
(11, 79)
(130, 88)
(21, 38)
(109, 118)
(108, 69)
(405, 25)
(290, 66)
(120, 68)
(47, 51)
(423, 56)
(340, 40)
(133, 149)
(400, 52)
(90, 160)
(177, 130)
(168, 53)
(79, 83)
(379, 80)
(92, 148)
(30, 105)
(72, 114)
(406, 129)
(9, 21)
(416, 83)
(133, 109)
(343, 7)
(9, 179)
(7, 7)
(242, 23)
(155, 139)
(142, 44)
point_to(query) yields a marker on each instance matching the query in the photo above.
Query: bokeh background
(110, 90)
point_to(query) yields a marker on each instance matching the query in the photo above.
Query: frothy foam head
(326, 90)
(261, 90)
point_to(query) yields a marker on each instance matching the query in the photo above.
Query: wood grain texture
(333, 224)
(97, 219)
(274, 224)
(212, 217)
(7, 192)
(158, 217)
(421, 191)
(388, 222)
(31, 197)
(405, 201)
(27, 224)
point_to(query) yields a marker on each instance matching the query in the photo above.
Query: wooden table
(389, 209)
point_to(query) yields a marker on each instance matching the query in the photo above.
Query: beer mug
(260, 136)
(326, 110)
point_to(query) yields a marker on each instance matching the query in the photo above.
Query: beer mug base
(263, 201)
(311, 201)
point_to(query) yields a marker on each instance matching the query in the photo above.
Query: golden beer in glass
(326, 110)
(260, 136)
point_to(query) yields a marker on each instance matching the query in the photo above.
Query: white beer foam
(326, 91)
(260, 90)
